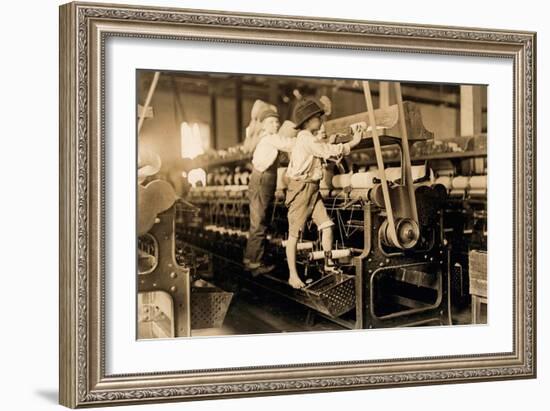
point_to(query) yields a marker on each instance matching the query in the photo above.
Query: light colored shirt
(307, 155)
(268, 148)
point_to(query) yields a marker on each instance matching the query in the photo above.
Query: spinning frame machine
(390, 248)
(392, 233)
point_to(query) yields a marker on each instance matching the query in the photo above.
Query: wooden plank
(387, 120)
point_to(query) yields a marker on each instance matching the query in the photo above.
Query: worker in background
(261, 188)
(305, 171)
(254, 130)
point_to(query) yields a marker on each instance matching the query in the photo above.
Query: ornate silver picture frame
(84, 31)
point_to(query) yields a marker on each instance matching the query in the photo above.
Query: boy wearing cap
(305, 170)
(261, 188)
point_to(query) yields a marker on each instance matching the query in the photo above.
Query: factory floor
(251, 312)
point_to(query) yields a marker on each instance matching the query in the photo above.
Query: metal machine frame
(382, 250)
(168, 275)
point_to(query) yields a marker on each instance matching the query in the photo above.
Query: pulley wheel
(407, 231)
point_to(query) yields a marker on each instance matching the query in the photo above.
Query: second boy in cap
(261, 188)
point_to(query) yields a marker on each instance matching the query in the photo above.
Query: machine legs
(168, 276)
(404, 310)
(476, 307)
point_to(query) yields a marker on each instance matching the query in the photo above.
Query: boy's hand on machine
(357, 129)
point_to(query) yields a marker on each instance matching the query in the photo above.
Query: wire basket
(209, 306)
(332, 294)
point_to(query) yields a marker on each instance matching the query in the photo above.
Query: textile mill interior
(236, 235)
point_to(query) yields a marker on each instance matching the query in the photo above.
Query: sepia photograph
(280, 204)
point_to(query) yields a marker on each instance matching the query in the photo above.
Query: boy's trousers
(261, 190)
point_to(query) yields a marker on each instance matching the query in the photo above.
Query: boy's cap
(267, 113)
(306, 109)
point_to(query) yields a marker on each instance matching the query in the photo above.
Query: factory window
(195, 139)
